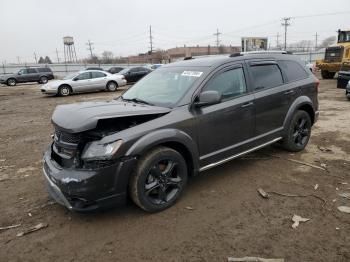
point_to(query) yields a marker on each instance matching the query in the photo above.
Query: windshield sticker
(192, 73)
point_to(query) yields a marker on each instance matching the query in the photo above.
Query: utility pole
(150, 39)
(277, 40)
(285, 23)
(58, 59)
(90, 48)
(316, 39)
(217, 34)
(18, 60)
(36, 59)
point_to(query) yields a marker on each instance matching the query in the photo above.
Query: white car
(84, 81)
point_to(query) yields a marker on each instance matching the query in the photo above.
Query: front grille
(67, 137)
(334, 54)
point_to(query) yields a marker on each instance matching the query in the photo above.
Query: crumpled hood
(79, 117)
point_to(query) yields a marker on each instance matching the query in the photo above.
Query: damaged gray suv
(181, 119)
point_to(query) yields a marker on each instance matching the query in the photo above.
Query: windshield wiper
(137, 100)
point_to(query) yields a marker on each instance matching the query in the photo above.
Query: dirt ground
(220, 215)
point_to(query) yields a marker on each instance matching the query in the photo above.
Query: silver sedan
(84, 81)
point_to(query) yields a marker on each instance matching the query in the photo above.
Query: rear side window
(266, 76)
(44, 69)
(229, 84)
(293, 70)
(97, 74)
(32, 71)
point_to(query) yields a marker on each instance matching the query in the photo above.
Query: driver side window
(229, 84)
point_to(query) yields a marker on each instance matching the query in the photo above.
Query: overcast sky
(28, 26)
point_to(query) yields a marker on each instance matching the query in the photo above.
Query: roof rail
(263, 52)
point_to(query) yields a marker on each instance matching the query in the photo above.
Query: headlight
(96, 151)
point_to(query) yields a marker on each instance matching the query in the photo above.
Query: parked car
(155, 66)
(84, 81)
(134, 74)
(115, 69)
(343, 79)
(181, 119)
(347, 90)
(41, 75)
(95, 68)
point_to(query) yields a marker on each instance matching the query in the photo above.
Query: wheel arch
(172, 138)
(301, 103)
(61, 85)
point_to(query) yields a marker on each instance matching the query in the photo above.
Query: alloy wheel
(163, 182)
(301, 132)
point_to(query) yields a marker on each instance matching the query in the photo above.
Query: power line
(217, 34)
(322, 14)
(90, 48)
(285, 23)
(58, 59)
(35, 57)
(150, 39)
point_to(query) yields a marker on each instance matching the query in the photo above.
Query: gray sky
(28, 26)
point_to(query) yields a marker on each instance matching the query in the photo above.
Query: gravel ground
(220, 215)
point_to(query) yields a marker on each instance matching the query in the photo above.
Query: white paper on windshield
(192, 73)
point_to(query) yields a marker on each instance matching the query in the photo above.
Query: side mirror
(75, 79)
(19, 73)
(207, 98)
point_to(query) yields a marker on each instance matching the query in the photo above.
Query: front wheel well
(183, 150)
(308, 109)
(67, 86)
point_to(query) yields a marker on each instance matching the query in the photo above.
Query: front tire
(159, 179)
(11, 82)
(64, 90)
(112, 86)
(298, 133)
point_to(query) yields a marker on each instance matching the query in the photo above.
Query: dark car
(343, 79)
(134, 74)
(95, 68)
(181, 119)
(347, 90)
(40, 75)
(115, 69)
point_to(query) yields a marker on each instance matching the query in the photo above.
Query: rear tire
(159, 179)
(298, 133)
(327, 75)
(64, 90)
(112, 86)
(11, 82)
(43, 80)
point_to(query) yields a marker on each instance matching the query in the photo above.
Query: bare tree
(107, 57)
(328, 41)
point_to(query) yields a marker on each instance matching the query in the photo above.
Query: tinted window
(134, 70)
(229, 84)
(293, 70)
(44, 69)
(266, 76)
(97, 74)
(31, 71)
(83, 76)
(23, 71)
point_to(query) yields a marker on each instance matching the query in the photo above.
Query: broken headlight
(96, 151)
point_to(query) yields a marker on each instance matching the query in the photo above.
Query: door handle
(289, 92)
(247, 104)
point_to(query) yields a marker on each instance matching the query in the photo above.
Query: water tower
(70, 56)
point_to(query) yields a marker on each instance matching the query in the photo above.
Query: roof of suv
(221, 59)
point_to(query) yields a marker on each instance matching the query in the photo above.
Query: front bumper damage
(87, 190)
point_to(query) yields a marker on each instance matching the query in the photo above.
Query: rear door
(33, 75)
(272, 98)
(225, 128)
(98, 80)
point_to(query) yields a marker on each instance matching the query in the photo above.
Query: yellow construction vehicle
(336, 57)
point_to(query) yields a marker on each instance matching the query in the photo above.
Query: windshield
(164, 87)
(125, 70)
(70, 76)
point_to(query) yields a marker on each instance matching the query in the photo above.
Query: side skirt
(238, 155)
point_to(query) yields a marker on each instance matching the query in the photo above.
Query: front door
(224, 129)
(82, 82)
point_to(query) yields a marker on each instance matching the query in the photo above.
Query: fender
(162, 136)
(299, 102)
